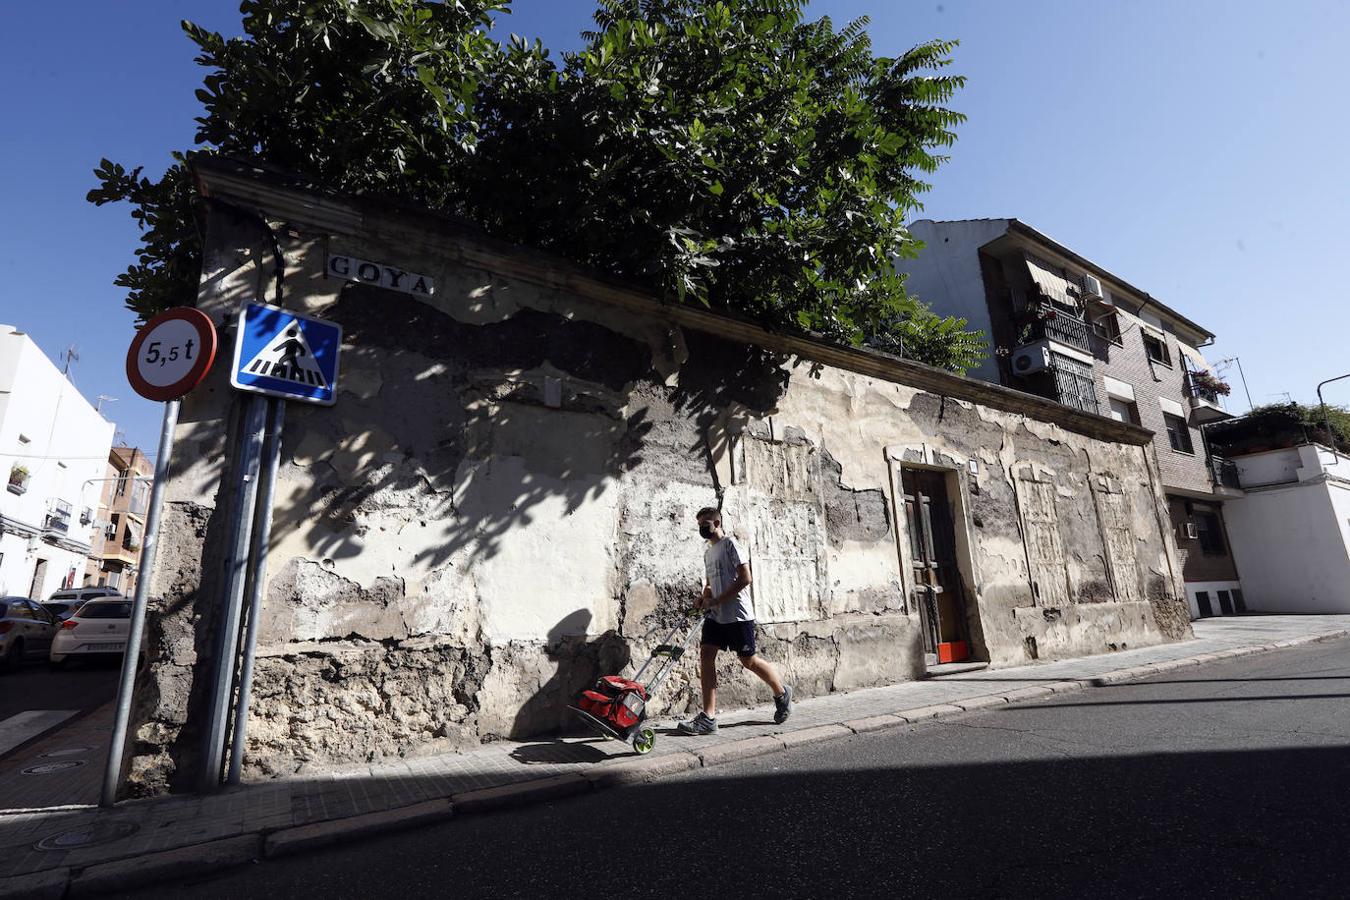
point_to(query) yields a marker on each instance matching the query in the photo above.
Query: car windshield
(60, 597)
(103, 609)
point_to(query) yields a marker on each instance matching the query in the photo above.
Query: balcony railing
(1224, 472)
(1194, 389)
(1063, 329)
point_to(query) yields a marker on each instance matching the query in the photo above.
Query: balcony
(1205, 402)
(58, 517)
(1062, 329)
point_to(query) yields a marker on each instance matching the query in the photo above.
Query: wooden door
(938, 588)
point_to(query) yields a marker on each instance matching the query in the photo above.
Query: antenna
(102, 398)
(72, 355)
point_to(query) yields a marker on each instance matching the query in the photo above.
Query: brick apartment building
(1065, 328)
(115, 559)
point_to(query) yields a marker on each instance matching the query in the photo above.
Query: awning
(1050, 279)
(1198, 363)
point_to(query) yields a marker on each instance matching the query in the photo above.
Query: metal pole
(112, 773)
(1326, 419)
(257, 582)
(227, 647)
(1250, 406)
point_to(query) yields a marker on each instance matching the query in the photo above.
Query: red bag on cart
(615, 700)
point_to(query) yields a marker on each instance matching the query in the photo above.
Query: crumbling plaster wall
(455, 556)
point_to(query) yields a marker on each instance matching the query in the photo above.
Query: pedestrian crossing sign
(282, 353)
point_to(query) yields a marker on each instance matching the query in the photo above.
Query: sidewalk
(88, 850)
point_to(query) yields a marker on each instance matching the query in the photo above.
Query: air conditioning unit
(1186, 531)
(1091, 289)
(1031, 359)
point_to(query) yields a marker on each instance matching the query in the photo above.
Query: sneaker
(782, 706)
(699, 724)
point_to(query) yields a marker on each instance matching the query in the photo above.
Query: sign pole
(169, 356)
(227, 646)
(257, 583)
(149, 545)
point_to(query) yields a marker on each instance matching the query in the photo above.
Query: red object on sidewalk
(954, 651)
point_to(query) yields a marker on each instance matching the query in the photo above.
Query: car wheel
(14, 656)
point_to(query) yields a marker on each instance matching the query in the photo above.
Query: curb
(320, 834)
(139, 871)
(196, 859)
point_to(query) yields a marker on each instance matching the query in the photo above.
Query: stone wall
(501, 505)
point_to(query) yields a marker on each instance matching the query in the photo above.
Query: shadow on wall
(579, 662)
(721, 376)
(448, 426)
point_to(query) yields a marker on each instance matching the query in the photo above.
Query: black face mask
(705, 531)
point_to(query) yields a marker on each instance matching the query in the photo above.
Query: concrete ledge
(750, 747)
(150, 868)
(918, 714)
(641, 770)
(874, 723)
(1037, 692)
(980, 702)
(319, 834)
(1066, 687)
(792, 739)
(48, 885)
(520, 794)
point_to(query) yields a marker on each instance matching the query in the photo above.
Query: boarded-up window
(785, 533)
(1040, 532)
(1115, 514)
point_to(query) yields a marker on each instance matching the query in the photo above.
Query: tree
(733, 154)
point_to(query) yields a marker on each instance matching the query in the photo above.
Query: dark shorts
(738, 637)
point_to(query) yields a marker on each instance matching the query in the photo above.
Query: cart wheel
(644, 740)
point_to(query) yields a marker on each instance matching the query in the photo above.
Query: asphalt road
(1232, 780)
(83, 686)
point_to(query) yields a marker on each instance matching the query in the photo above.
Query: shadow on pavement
(1233, 824)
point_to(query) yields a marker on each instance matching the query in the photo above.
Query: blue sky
(1196, 149)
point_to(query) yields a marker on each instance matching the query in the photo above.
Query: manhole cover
(52, 768)
(94, 833)
(68, 751)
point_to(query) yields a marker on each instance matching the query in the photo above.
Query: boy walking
(729, 624)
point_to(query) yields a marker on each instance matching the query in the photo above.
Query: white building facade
(1294, 519)
(53, 452)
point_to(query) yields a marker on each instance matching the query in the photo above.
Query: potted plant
(1208, 381)
(18, 479)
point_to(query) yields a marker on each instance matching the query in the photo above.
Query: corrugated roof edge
(287, 196)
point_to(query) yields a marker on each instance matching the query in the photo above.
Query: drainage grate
(94, 833)
(67, 751)
(53, 768)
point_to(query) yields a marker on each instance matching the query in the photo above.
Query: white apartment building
(53, 454)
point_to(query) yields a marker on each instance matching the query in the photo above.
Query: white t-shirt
(720, 561)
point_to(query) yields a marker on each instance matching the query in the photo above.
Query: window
(1178, 433)
(1124, 411)
(19, 610)
(122, 477)
(1209, 532)
(1238, 603)
(1156, 348)
(113, 524)
(1225, 603)
(1108, 328)
(114, 580)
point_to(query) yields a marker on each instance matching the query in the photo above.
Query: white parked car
(26, 631)
(99, 628)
